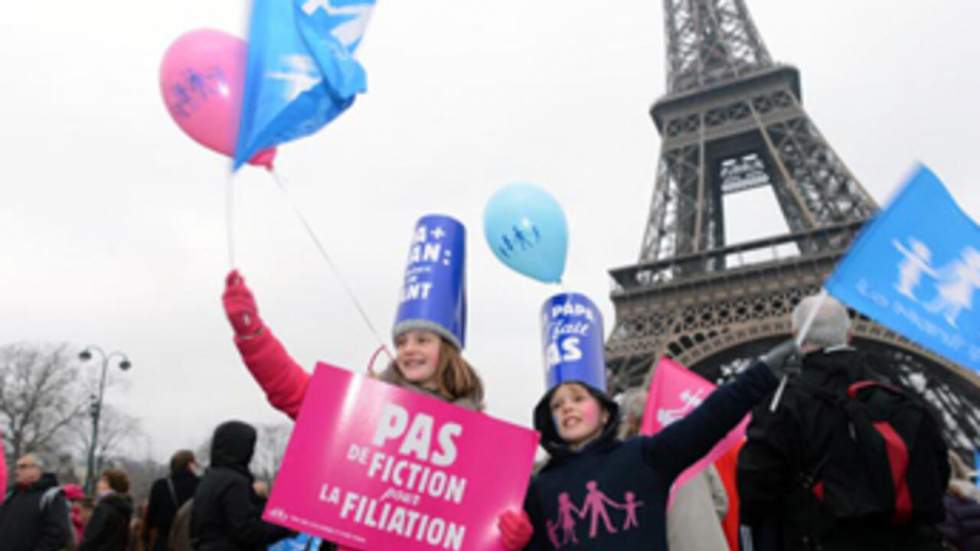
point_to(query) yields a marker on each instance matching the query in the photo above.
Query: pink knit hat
(73, 492)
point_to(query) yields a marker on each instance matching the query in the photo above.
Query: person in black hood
(34, 515)
(108, 529)
(597, 492)
(226, 515)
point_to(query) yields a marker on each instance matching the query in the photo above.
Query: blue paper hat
(571, 336)
(433, 296)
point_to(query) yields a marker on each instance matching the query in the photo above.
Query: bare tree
(40, 396)
(117, 430)
(270, 447)
(141, 472)
(202, 454)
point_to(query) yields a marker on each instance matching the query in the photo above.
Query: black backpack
(884, 462)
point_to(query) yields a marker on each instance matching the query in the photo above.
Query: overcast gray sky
(112, 221)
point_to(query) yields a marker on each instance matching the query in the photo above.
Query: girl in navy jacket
(600, 493)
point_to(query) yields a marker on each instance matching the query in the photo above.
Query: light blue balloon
(526, 229)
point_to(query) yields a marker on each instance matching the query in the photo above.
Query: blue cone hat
(571, 336)
(433, 296)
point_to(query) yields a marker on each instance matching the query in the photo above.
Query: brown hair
(180, 460)
(117, 480)
(455, 378)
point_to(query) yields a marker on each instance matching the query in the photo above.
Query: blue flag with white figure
(301, 72)
(302, 542)
(976, 467)
(915, 268)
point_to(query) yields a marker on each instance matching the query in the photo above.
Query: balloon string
(230, 217)
(374, 358)
(333, 267)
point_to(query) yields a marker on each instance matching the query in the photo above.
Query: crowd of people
(188, 509)
(841, 458)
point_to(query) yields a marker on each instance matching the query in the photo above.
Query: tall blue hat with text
(433, 295)
(571, 335)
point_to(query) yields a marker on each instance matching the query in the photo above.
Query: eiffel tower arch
(733, 120)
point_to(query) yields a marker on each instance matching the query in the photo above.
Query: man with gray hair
(802, 473)
(34, 516)
(830, 327)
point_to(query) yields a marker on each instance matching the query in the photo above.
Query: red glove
(240, 307)
(515, 530)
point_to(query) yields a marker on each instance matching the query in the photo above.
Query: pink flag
(674, 392)
(3, 472)
(374, 467)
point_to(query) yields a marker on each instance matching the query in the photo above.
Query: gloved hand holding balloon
(526, 230)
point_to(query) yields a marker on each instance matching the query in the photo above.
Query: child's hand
(515, 530)
(240, 307)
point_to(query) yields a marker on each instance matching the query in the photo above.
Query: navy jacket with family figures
(613, 494)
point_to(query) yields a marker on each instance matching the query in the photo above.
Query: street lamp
(96, 406)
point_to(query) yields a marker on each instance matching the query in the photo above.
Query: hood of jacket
(232, 445)
(550, 440)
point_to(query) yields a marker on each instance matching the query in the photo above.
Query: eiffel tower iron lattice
(733, 120)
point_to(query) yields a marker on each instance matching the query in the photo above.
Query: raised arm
(686, 440)
(281, 378)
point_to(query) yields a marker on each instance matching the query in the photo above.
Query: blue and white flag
(301, 542)
(301, 72)
(915, 268)
(976, 467)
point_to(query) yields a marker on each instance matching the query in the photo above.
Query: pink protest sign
(375, 467)
(674, 392)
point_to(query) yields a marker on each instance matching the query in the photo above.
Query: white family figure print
(954, 283)
(917, 257)
(593, 506)
(691, 400)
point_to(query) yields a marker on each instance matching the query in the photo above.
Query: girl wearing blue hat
(429, 331)
(597, 492)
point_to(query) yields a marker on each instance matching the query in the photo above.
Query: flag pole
(807, 323)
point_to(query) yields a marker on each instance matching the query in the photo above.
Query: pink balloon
(201, 79)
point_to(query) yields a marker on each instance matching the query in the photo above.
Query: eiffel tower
(732, 121)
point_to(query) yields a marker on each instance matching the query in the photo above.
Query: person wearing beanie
(108, 529)
(429, 331)
(74, 494)
(597, 492)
